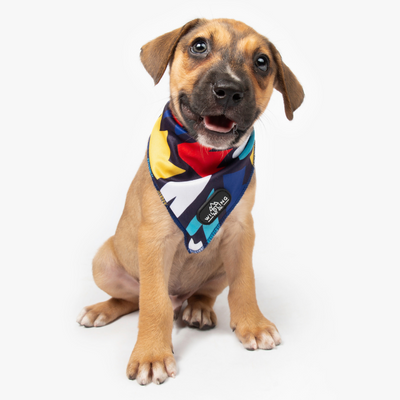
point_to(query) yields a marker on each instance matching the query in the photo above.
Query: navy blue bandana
(198, 185)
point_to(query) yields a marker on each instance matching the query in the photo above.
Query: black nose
(228, 93)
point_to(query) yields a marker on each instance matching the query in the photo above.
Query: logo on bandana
(214, 205)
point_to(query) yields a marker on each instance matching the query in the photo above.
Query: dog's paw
(101, 314)
(151, 366)
(199, 315)
(92, 316)
(257, 334)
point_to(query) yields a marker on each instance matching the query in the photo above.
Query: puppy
(186, 231)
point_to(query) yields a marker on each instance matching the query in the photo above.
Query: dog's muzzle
(220, 111)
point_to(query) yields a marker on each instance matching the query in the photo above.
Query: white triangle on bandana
(183, 193)
(239, 150)
(195, 246)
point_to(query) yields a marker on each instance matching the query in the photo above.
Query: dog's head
(222, 74)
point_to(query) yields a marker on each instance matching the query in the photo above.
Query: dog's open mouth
(212, 128)
(214, 123)
(218, 123)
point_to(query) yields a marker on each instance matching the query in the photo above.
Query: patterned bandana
(199, 186)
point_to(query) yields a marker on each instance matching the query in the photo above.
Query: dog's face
(222, 74)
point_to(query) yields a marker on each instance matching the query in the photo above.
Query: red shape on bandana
(203, 160)
(176, 120)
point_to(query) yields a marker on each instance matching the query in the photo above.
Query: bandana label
(199, 186)
(210, 210)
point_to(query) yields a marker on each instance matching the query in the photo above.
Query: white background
(76, 109)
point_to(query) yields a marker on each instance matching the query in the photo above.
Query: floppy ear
(287, 84)
(156, 54)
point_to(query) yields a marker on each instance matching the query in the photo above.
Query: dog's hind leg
(111, 277)
(199, 312)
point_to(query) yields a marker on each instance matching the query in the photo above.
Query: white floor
(76, 110)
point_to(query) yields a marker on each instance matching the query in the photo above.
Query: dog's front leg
(250, 326)
(152, 358)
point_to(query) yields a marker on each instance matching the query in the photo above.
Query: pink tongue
(218, 123)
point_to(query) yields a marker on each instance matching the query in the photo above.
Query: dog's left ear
(287, 84)
(156, 54)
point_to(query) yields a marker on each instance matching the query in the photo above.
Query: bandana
(199, 186)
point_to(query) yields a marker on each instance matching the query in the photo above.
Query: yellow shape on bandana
(252, 156)
(159, 154)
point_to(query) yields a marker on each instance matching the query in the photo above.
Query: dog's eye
(199, 47)
(262, 62)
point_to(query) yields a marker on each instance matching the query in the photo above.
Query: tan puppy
(222, 73)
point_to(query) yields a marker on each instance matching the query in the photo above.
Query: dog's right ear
(156, 54)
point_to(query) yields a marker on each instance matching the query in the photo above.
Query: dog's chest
(190, 271)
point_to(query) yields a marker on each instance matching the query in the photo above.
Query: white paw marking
(159, 373)
(265, 342)
(170, 367)
(86, 321)
(100, 320)
(81, 315)
(277, 338)
(143, 377)
(251, 344)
